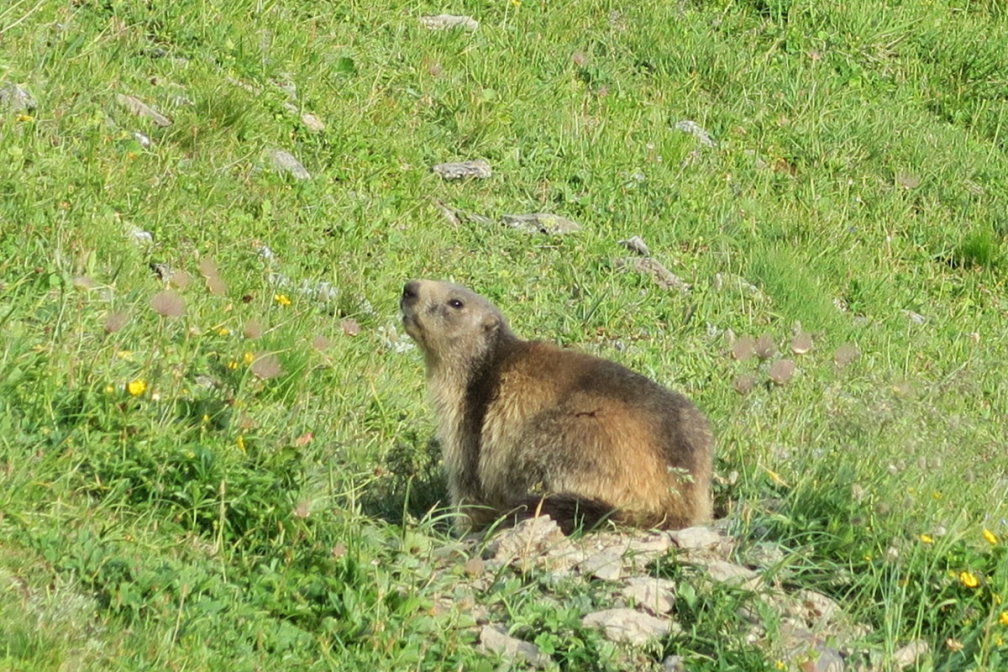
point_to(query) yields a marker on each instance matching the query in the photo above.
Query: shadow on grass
(412, 482)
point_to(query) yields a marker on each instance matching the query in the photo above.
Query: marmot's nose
(411, 291)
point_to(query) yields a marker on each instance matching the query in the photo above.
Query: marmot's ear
(490, 323)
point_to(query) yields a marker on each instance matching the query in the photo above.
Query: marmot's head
(454, 326)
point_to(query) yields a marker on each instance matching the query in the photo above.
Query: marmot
(528, 428)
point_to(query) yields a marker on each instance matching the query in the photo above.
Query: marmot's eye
(456, 304)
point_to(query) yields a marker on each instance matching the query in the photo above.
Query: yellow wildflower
(240, 442)
(136, 387)
(223, 331)
(780, 665)
(248, 358)
(926, 539)
(1003, 618)
(968, 579)
(232, 365)
(282, 299)
(25, 117)
(990, 537)
(954, 644)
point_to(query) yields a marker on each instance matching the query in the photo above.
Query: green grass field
(214, 440)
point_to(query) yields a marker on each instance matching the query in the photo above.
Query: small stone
(674, 664)
(909, 654)
(451, 214)
(643, 550)
(286, 162)
(655, 595)
(142, 109)
(16, 98)
(731, 573)
(456, 216)
(697, 537)
(605, 565)
(541, 222)
(765, 554)
(523, 544)
(730, 281)
(697, 131)
(446, 21)
(808, 652)
(494, 639)
(915, 317)
(824, 659)
(478, 169)
(140, 236)
(321, 291)
(312, 123)
(628, 625)
(818, 608)
(663, 277)
(817, 657)
(636, 244)
(83, 282)
(908, 180)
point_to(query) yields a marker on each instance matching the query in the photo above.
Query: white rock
(697, 537)
(140, 236)
(495, 640)
(663, 277)
(697, 131)
(628, 625)
(636, 244)
(654, 594)
(478, 169)
(541, 222)
(818, 607)
(16, 98)
(286, 162)
(446, 21)
(731, 573)
(907, 655)
(606, 565)
(525, 544)
(142, 109)
(312, 122)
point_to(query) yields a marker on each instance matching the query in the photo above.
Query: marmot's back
(527, 424)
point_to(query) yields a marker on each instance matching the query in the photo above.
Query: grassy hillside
(214, 442)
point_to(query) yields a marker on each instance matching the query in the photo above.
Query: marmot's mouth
(411, 326)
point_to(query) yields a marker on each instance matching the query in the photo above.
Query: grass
(241, 475)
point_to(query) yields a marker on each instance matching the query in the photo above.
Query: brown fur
(528, 428)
